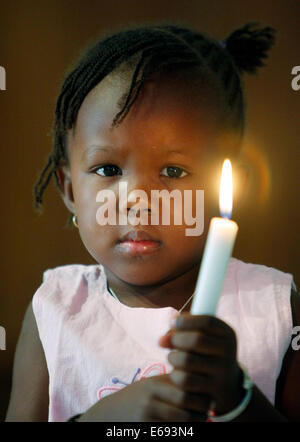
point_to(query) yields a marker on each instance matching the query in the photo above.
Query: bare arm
(29, 398)
(288, 386)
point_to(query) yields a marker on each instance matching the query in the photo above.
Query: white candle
(218, 248)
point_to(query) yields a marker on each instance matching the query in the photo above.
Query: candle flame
(226, 188)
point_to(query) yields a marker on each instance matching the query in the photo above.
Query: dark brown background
(38, 40)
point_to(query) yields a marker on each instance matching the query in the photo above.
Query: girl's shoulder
(68, 271)
(250, 267)
(259, 297)
(63, 284)
(250, 276)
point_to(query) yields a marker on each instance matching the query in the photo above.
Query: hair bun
(249, 46)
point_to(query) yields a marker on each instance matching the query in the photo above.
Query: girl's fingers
(195, 363)
(170, 393)
(200, 334)
(199, 342)
(193, 383)
(162, 411)
(205, 323)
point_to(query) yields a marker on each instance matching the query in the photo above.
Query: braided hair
(154, 49)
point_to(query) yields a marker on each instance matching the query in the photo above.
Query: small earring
(74, 219)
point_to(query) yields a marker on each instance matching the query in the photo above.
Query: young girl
(156, 107)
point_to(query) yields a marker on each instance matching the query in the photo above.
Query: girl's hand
(204, 360)
(151, 399)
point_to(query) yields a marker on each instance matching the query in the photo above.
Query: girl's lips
(133, 248)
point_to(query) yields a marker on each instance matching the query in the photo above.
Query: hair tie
(223, 43)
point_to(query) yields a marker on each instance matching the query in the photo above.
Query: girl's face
(172, 124)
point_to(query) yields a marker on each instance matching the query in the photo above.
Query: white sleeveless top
(95, 345)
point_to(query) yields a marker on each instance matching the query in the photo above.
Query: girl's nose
(135, 197)
(136, 189)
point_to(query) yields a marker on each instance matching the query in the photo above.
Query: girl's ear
(65, 181)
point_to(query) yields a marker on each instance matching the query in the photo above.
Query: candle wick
(225, 215)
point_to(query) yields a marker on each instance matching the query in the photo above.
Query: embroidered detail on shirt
(151, 370)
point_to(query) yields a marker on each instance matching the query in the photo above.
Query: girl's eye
(108, 170)
(175, 172)
(112, 170)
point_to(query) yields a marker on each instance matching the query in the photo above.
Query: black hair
(158, 47)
